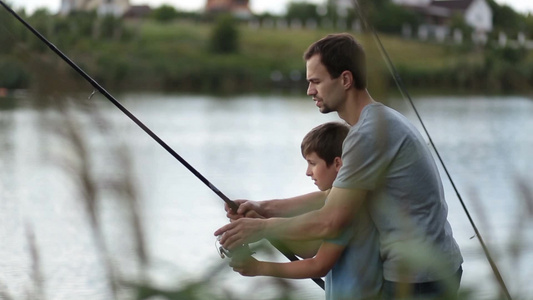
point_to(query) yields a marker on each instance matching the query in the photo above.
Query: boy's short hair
(338, 53)
(326, 141)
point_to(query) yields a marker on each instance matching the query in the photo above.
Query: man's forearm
(294, 206)
(309, 226)
(324, 223)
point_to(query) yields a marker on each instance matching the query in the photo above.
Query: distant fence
(439, 34)
(443, 34)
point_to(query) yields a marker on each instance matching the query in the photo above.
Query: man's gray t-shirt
(386, 155)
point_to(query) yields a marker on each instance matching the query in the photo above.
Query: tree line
(119, 50)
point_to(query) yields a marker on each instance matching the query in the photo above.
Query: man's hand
(241, 231)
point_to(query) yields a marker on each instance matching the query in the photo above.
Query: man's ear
(347, 79)
(337, 162)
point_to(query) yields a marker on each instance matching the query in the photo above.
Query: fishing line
(232, 205)
(405, 94)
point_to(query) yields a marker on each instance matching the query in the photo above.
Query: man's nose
(311, 91)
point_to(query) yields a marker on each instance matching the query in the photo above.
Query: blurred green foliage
(225, 35)
(188, 52)
(13, 73)
(387, 16)
(164, 13)
(302, 11)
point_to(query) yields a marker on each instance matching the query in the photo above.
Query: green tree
(302, 11)
(529, 25)
(371, 7)
(164, 14)
(225, 35)
(505, 19)
(386, 16)
(9, 25)
(83, 22)
(42, 21)
(391, 17)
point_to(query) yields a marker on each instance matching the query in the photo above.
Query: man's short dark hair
(341, 52)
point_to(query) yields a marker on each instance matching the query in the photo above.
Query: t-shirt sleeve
(363, 160)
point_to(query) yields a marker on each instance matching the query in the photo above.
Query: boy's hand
(247, 208)
(246, 266)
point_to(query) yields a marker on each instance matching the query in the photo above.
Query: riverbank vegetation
(208, 55)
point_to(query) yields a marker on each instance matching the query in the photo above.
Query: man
(387, 167)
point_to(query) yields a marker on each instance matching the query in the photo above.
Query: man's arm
(327, 222)
(295, 205)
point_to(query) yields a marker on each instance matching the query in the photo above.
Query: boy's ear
(337, 162)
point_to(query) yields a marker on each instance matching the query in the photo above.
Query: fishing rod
(231, 204)
(405, 94)
(100, 89)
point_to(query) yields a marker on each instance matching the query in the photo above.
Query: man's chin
(324, 110)
(321, 107)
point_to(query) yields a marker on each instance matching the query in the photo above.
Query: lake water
(248, 147)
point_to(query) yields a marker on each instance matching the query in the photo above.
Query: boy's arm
(315, 267)
(279, 207)
(304, 249)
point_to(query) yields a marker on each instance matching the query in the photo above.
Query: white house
(102, 7)
(438, 15)
(476, 13)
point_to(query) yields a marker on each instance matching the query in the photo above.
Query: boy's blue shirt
(357, 274)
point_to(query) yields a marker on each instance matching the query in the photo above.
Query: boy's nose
(308, 172)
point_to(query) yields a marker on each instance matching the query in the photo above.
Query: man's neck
(355, 103)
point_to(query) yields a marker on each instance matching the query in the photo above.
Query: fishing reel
(242, 251)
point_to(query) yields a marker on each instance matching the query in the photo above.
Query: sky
(257, 6)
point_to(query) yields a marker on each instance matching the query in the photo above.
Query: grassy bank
(177, 57)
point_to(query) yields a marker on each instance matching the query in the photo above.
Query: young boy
(350, 261)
